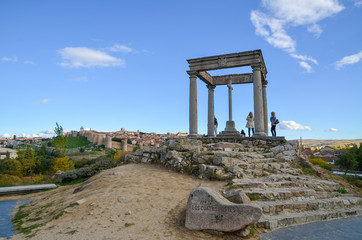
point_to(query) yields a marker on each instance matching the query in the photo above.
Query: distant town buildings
(327, 153)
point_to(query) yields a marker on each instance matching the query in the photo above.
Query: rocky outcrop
(217, 159)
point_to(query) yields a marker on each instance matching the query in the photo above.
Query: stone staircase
(264, 170)
(287, 197)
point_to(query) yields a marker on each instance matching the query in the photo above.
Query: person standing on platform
(274, 121)
(250, 123)
(215, 124)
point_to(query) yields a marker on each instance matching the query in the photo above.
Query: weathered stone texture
(208, 210)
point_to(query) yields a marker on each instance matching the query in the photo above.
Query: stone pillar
(230, 130)
(211, 113)
(230, 101)
(265, 104)
(258, 102)
(193, 106)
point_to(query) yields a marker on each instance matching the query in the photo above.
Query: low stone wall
(219, 158)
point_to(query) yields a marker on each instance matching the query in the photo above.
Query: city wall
(99, 139)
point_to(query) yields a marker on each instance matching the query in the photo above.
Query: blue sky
(108, 65)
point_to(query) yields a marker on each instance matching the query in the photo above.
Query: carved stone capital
(256, 67)
(192, 73)
(211, 87)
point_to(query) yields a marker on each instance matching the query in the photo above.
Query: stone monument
(198, 69)
(208, 210)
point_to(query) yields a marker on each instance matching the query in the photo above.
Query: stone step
(278, 221)
(263, 165)
(249, 183)
(254, 173)
(303, 204)
(316, 184)
(274, 194)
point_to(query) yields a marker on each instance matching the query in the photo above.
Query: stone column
(211, 113)
(230, 130)
(258, 102)
(193, 106)
(265, 108)
(230, 86)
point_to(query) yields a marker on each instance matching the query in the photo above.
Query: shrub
(11, 166)
(318, 161)
(85, 162)
(118, 155)
(63, 164)
(86, 172)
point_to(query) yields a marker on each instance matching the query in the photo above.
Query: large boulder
(208, 210)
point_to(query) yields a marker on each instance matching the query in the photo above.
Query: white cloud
(120, 48)
(29, 62)
(284, 14)
(25, 135)
(9, 59)
(34, 135)
(272, 30)
(6, 135)
(306, 66)
(316, 29)
(49, 131)
(358, 4)
(85, 57)
(302, 12)
(80, 79)
(292, 125)
(333, 129)
(45, 101)
(352, 59)
(304, 58)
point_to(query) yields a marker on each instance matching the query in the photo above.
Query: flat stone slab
(208, 210)
(25, 189)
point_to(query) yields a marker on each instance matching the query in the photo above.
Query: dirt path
(133, 201)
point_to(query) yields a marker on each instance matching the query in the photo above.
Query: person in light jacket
(250, 123)
(273, 120)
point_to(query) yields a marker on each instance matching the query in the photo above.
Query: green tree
(60, 141)
(347, 161)
(28, 161)
(11, 166)
(63, 164)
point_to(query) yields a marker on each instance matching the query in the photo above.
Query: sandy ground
(134, 201)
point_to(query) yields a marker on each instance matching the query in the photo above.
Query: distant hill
(335, 142)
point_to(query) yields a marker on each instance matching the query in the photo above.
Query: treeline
(37, 161)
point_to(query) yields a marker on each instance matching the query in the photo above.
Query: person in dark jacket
(273, 120)
(215, 124)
